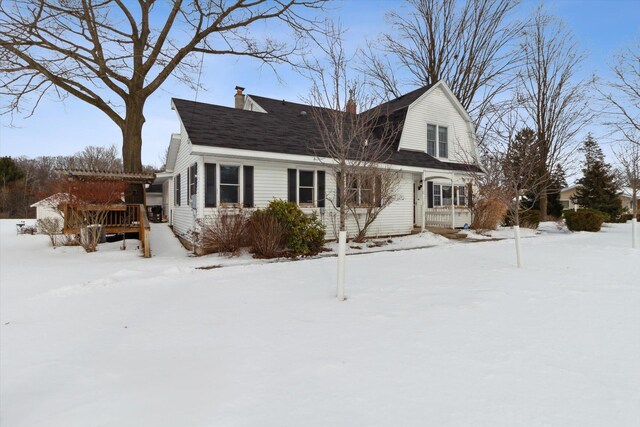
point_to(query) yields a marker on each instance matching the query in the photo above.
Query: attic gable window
(437, 141)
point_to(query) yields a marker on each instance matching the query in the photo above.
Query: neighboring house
(47, 208)
(261, 150)
(567, 197)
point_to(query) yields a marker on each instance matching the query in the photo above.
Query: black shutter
(292, 182)
(378, 191)
(337, 189)
(210, 185)
(178, 194)
(429, 194)
(321, 189)
(248, 186)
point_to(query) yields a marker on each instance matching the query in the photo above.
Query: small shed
(47, 208)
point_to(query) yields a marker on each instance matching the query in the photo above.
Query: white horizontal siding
(270, 182)
(436, 108)
(183, 217)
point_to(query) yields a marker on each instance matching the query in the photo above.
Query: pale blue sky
(600, 26)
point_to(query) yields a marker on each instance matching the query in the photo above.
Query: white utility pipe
(516, 231)
(634, 221)
(342, 249)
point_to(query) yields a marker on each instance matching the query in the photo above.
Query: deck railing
(120, 218)
(441, 217)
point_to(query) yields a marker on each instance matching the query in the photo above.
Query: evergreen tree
(597, 188)
(557, 182)
(9, 171)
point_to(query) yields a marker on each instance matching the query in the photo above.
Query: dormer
(437, 124)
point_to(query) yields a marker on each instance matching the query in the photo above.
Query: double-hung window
(443, 196)
(431, 140)
(437, 141)
(306, 188)
(229, 184)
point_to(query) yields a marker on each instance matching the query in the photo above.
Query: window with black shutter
(321, 189)
(292, 185)
(178, 194)
(306, 188)
(247, 183)
(210, 185)
(229, 184)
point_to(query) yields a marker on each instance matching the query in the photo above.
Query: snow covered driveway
(453, 335)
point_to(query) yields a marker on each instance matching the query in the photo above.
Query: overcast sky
(62, 128)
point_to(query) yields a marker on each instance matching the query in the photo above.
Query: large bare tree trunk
(543, 203)
(132, 139)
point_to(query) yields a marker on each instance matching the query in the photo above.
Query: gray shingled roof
(283, 129)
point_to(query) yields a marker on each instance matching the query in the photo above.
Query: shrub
(529, 219)
(488, 213)
(51, 227)
(584, 219)
(225, 232)
(266, 234)
(628, 217)
(303, 235)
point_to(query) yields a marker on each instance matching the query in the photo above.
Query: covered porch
(442, 200)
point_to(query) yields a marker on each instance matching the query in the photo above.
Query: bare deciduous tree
(470, 45)
(96, 158)
(622, 94)
(114, 55)
(554, 99)
(628, 156)
(357, 144)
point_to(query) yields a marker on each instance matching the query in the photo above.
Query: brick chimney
(239, 97)
(351, 104)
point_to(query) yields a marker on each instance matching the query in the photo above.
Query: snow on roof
(54, 199)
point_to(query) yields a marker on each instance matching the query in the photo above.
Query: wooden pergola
(120, 217)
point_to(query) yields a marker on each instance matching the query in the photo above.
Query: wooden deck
(121, 218)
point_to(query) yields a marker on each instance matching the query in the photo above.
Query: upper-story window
(437, 141)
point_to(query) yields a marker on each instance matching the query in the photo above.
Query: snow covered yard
(452, 335)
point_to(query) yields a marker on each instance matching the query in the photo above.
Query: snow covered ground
(451, 335)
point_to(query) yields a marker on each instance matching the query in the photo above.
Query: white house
(259, 151)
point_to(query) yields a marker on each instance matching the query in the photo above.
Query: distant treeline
(26, 180)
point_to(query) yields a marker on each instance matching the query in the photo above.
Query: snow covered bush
(225, 232)
(266, 234)
(303, 234)
(584, 220)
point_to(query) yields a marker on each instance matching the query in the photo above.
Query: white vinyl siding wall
(437, 109)
(183, 216)
(270, 182)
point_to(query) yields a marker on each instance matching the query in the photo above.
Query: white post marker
(342, 249)
(634, 222)
(424, 204)
(516, 231)
(453, 205)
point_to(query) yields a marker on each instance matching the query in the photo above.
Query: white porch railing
(441, 217)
